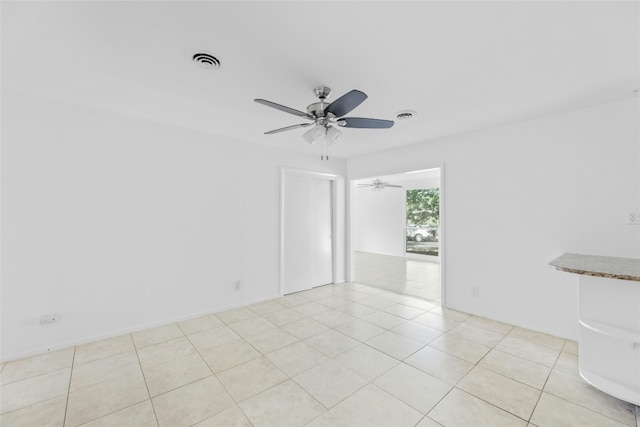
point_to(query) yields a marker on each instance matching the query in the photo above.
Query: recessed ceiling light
(405, 114)
(206, 60)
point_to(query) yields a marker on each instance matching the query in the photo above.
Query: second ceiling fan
(378, 184)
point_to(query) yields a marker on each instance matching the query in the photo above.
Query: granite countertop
(599, 266)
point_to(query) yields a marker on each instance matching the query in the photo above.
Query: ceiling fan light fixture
(333, 135)
(313, 134)
(307, 136)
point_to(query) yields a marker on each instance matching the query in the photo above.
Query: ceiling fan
(378, 184)
(325, 117)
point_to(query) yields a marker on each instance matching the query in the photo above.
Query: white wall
(379, 220)
(416, 184)
(518, 196)
(116, 224)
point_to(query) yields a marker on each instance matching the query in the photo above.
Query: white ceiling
(461, 65)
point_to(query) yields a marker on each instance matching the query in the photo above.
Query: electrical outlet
(633, 218)
(475, 291)
(237, 285)
(48, 318)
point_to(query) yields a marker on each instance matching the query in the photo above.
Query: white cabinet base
(610, 336)
(610, 364)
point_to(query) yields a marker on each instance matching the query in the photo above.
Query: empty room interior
(219, 213)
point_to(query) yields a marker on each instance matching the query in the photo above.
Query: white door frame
(284, 171)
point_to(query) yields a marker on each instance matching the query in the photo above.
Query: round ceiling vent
(206, 60)
(405, 115)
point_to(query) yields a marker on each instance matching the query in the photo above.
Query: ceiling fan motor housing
(317, 108)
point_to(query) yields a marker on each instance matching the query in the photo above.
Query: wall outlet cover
(48, 318)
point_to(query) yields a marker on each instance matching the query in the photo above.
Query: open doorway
(397, 233)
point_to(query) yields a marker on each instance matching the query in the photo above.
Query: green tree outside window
(423, 207)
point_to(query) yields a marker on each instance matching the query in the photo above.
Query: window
(423, 221)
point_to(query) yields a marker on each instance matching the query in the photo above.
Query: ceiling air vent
(405, 115)
(206, 60)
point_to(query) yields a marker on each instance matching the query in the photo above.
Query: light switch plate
(633, 218)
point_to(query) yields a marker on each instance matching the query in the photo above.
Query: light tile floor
(339, 355)
(407, 276)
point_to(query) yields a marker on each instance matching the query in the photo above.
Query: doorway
(307, 230)
(395, 244)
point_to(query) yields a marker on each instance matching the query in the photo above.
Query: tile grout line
(103, 357)
(69, 390)
(212, 373)
(135, 348)
(291, 378)
(237, 403)
(521, 358)
(493, 404)
(216, 376)
(476, 364)
(588, 409)
(66, 405)
(497, 373)
(453, 387)
(144, 377)
(372, 381)
(569, 401)
(545, 384)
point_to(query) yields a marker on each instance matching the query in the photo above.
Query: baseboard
(124, 331)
